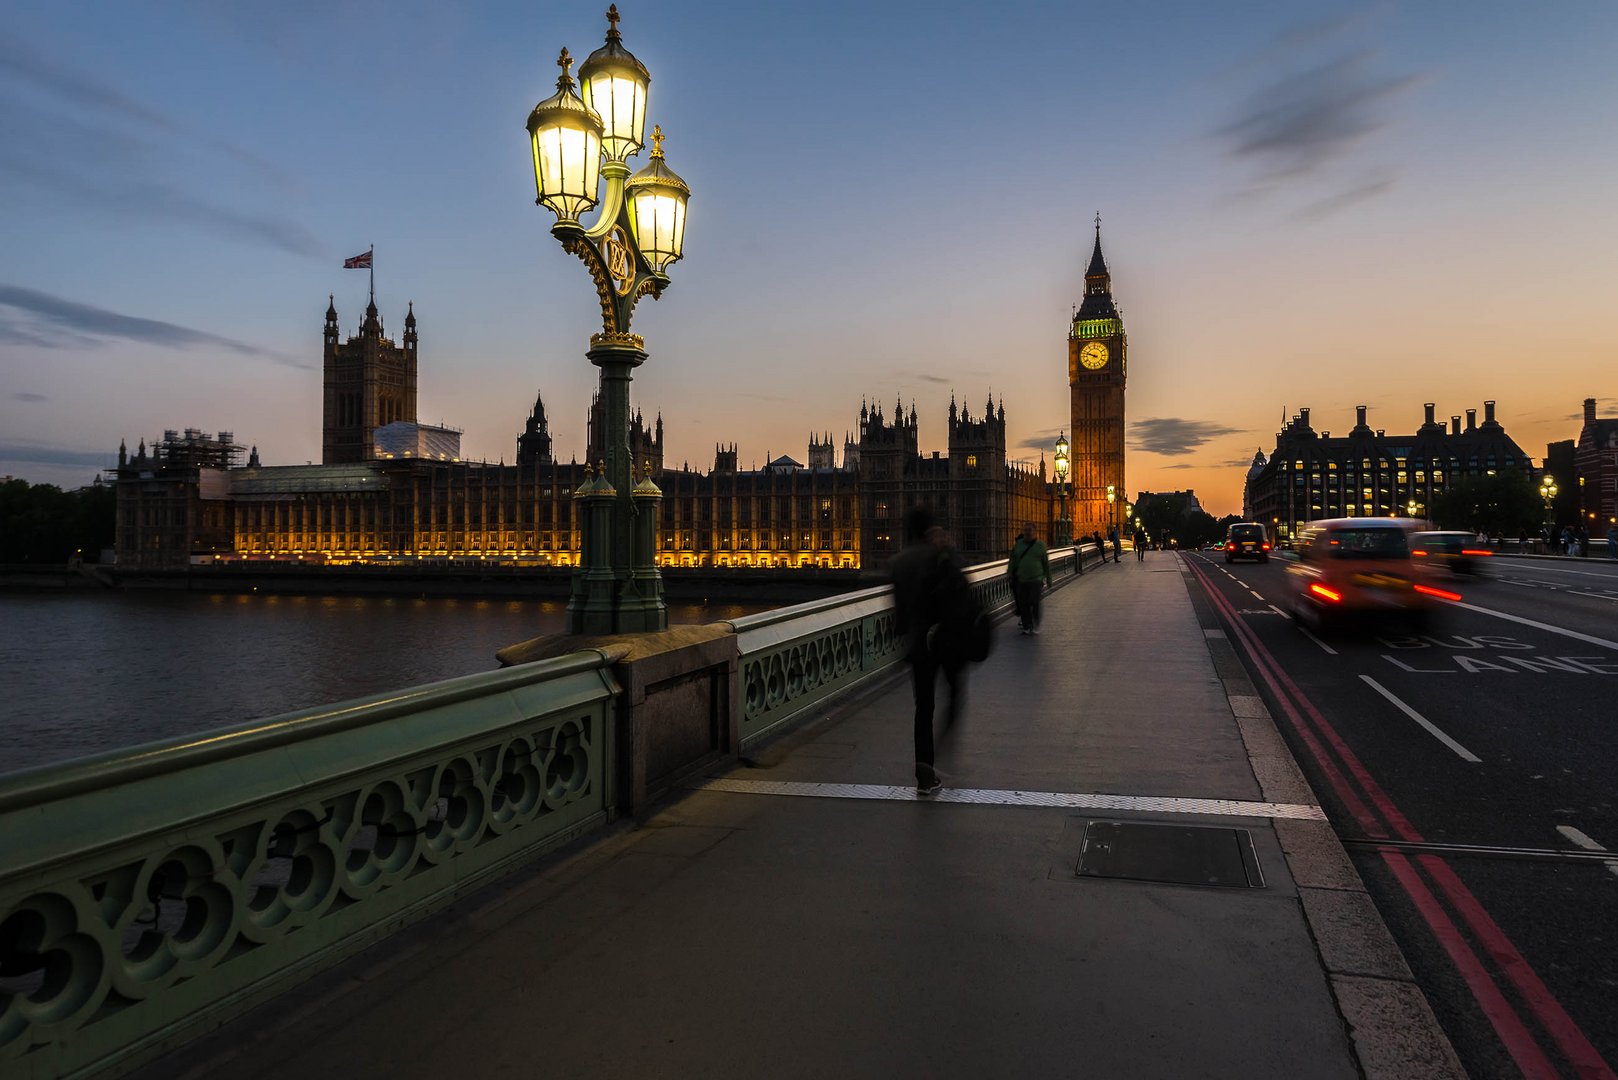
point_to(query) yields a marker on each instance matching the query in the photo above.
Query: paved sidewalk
(868, 933)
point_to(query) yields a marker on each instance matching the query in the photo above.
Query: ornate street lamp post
(1547, 491)
(578, 142)
(1112, 498)
(1064, 528)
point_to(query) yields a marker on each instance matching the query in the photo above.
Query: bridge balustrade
(791, 659)
(149, 893)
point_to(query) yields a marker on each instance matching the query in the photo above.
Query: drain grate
(1177, 854)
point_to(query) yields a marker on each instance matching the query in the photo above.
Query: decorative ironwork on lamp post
(1064, 528)
(1112, 500)
(1547, 491)
(579, 142)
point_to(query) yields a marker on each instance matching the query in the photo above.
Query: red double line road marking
(1519, 1042)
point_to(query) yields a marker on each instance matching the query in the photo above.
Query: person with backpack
(932, 614)
(1029, 567)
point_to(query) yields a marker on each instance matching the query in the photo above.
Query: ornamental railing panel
(792, 659)
(147, 894)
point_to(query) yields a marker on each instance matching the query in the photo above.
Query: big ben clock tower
(1096, 370)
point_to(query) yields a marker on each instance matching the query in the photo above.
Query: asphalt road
(1496, 728)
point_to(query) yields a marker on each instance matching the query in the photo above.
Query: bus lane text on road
(1447, 654)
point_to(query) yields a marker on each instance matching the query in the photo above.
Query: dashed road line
(1432, 728)
(1584, 841)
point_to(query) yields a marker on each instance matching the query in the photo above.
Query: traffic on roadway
(1467, 754)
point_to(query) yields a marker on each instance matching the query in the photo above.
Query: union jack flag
(358, 262)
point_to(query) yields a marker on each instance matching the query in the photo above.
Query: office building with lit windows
(1368, 473)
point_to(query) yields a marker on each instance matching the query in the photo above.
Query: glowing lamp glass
(619, 98)
(567, 167)
(658, 218)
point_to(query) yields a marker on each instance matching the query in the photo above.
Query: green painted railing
(148, 894)
(791, 659)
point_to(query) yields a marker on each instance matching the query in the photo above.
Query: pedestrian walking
(930, 592)
(1029, 568)
(1139, 540)
(1612, 542)
(1117, 544)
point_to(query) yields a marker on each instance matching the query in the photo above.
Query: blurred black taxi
(1457, 553)
(1360, 569)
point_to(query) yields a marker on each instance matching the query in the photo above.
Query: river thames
(84, 672)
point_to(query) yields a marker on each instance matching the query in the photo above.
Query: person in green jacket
(1029, 568)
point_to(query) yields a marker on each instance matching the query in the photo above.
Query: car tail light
(1231, 546)
(1477, 551)
(1265, 547)
(1418, 553)
(1428, 590)
(1327, 594)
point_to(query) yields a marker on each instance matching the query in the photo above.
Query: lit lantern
(615, 86)
(657, 199)
(1062, 458)
(567, 149)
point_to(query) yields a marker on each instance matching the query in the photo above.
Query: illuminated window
(971, 461)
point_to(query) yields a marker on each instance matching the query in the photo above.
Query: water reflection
(85, 672)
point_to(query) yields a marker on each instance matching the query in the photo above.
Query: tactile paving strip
(984, 797)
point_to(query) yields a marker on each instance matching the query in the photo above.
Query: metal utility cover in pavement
(1176, 854)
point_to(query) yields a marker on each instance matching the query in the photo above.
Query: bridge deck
(808, 916)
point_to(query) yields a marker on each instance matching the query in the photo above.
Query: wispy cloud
(923, 376)
(29, 397)
(129, 144)
(1042, 440)
(1322, 96)
(1174, 436)
(35, 453)
(53, 322)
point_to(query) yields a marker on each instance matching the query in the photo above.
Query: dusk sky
(1303, 205)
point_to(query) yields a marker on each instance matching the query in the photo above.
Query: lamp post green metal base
(617, 588)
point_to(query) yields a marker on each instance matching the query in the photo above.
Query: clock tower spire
(1096, 371)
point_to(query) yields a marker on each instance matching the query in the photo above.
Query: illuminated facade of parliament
(390, 490)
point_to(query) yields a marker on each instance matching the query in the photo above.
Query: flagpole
(370, 264)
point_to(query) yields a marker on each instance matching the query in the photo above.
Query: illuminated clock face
(1093, 356)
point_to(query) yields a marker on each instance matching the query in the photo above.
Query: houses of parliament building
(390, 490)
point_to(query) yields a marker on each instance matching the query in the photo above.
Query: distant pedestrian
(1139, 540)
(928, 585)
(1612, 542)
(1117, 544)
(1029, 568)
(1101, 548)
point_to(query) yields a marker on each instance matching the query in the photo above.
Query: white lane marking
(1556, 570)
(1583, 840)
(1579, 837)
(1308, 634)
(1547, 627)
(1060, 799)
(1432, 728)
(1598, 596)
(1277, 610)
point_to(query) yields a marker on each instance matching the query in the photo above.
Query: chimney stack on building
(1471, 419)
(1488, 415)
(1589, 410)
(1455, 425)
(1429, 406)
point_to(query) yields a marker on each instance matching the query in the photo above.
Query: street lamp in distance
(1064, 529)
